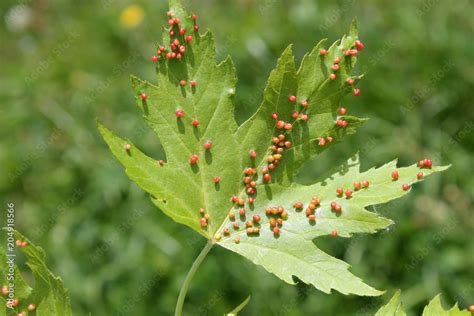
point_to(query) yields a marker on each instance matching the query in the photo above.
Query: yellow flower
(131, 16)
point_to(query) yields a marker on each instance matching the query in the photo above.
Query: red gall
(240, 201)
(208, 145)
(298, 205)
(173, 55)
(280, 124)
(234, 198)
(323, 52)
(334, 233)
(235, 225)
(196, 27)
(405, 187)
(169, 55)
(203, 222)
(347, 52)
(353, 52)
(179, 113)
(169, 13)
(342, 111)
(248, 224)
(161, 49)
(333, 205)
(242, 212)
(270, 167)
(182, 83)
(338, 208)
(226, 231)
(192, 83)
(247, 180)
(182, 49)
(329, 139)
(4, 290)
(189, 38)
(335, 67)
(304, 103)
(365, 183)
(177, 21)
(31, 307)
(322, 142)
(311, 206)
(194, 16)
(332, 77)
(253, 184)
(250, 191)
(292, 98)
(251, 200)
(357, 186)
(237, 240)
(182, 31)
(127, 147)
(143, 96)
(359, 45)
(201, 211)
(231, 216)
(154, 58)
(16, 302)
(348, 193)
(304, 117)
(315, 200)
(395, 175)
(274, 116)
(471, 308)
(337, 60)
(288, 144)
(267, 177)
(288, 126)
(171, 21)
(253, 154)
(264, 169)
(194, 159)
(339, 191)
(217, 179)
(419, 175)
(294, 114)
(350, 81)
(276, 230)
(18, 242)
(357, 92)
(171, 32)
(196, 122)
(256, 218)
(279, 222)
(312, 217)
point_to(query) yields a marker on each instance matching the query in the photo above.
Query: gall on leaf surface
(48, 294)
(183, 187)
(434, 308)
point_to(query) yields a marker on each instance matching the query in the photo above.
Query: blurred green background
(64, 63)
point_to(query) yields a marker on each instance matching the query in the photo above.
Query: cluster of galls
(204, 218)
(358, 46)
(20, 243)
(178, 39)
(422, 164)
(310, 209)
(276, 217)
(16, 302)
(340, 121)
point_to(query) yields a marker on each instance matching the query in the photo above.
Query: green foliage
(395, 308)
(180, 189)
(48, 294)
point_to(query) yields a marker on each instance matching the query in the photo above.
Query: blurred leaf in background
(64, 63)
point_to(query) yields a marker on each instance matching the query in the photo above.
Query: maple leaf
(235, 184)
(395, 308)
(48, 296)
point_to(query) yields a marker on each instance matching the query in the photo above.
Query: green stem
(189, 277)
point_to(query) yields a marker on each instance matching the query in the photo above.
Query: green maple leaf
(48, 295)
(180, 189)
(395, 308)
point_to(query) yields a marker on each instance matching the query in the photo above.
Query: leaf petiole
(189, 277)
